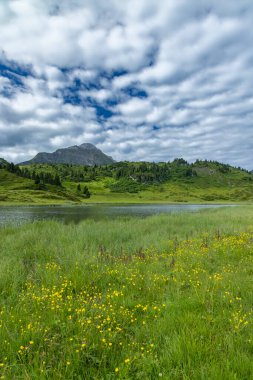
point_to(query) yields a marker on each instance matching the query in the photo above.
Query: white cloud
(190, 60)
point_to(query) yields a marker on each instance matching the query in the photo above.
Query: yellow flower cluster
(104, 315)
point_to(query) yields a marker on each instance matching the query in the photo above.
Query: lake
(75, 214)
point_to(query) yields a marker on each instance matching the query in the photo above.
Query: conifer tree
(86, 192)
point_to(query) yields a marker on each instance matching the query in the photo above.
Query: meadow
(165, 297)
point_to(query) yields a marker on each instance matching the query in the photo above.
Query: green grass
(208, 184)
(18, 190)
(197, 191)
(162, 297)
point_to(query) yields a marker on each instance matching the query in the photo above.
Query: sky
(140, 79)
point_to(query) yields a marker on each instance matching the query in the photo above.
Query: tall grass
(162, 297)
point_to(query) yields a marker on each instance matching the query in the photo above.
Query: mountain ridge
(84, 154)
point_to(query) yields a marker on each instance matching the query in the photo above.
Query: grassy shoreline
(166, 296)
(124, 202)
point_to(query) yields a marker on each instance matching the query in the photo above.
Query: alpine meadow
(166, 296)
(126, 190)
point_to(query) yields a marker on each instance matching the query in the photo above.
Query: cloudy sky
(140, 79)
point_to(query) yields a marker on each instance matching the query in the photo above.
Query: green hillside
(136, 182)
(15, 189)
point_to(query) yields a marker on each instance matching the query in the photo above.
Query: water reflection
(75, 214)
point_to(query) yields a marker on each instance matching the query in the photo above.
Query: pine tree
(57, 180)
(86, 192)
(37, 180)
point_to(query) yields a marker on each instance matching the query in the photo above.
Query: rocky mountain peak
(84, 154)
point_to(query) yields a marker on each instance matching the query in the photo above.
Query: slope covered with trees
(176, 181)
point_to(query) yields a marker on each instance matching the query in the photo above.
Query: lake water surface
(75, 214)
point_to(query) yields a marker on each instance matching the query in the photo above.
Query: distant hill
(120, 182)
(85, 154)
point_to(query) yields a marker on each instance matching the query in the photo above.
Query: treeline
(38, 177)
(130, 175)
(223, 168)
(139, 172)
(148, 173)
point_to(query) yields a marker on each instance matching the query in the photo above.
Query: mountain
(85, 154)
